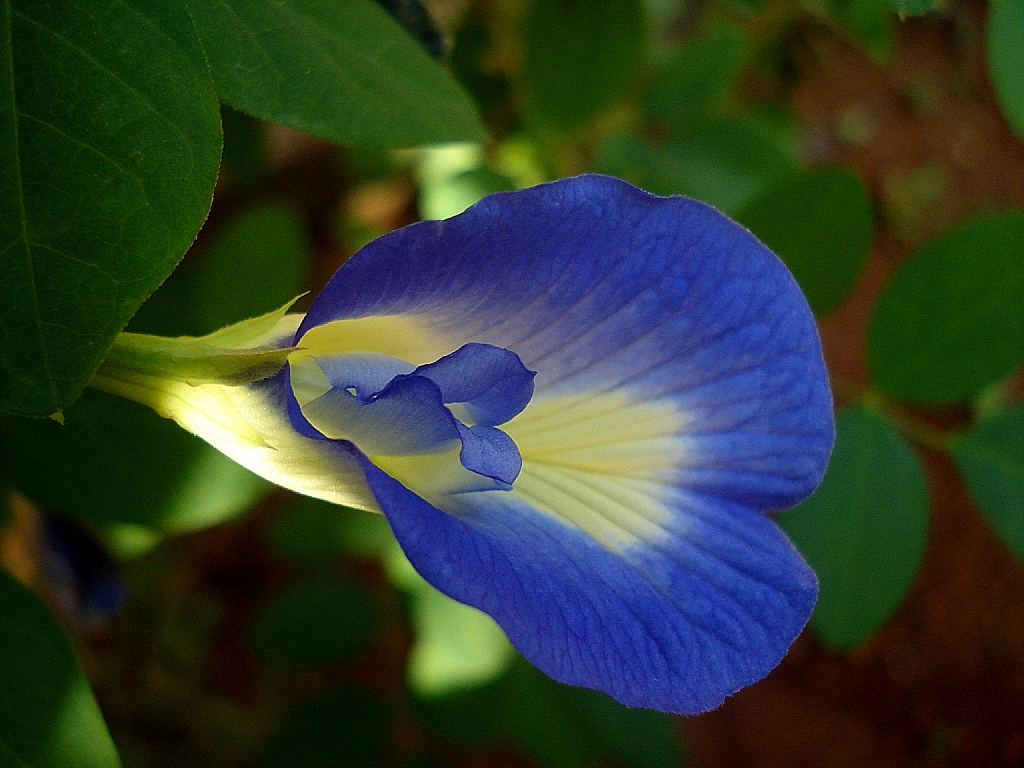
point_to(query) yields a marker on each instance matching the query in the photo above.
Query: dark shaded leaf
(559, 726)
(314, 623)
(951, 320)
(344, 728)
(116, 461)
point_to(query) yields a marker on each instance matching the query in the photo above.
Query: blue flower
(576, 405)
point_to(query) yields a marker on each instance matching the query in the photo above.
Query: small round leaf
(863, 530)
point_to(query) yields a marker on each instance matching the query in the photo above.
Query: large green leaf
(344, 71)
(1005, 34)
(990, 456)
(863, 530)
(951, 320)
(580, 56)
(109, 148)
(819, 223)
(48, 714)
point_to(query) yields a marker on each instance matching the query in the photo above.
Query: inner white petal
(602, 462)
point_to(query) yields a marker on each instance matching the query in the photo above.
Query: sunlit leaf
(116, 461)
(819, 223)
(452, 178)
(863, 530)
(455, 647)
(990, 456)
(109, 148)
(48, 714)
(580, 56)
(325, 621)
(344, 71)
(951, 320)
(1005, 63)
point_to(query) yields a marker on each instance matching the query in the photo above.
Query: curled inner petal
(391, 409)
(492, 382)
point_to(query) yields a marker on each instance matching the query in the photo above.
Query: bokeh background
(877, 148)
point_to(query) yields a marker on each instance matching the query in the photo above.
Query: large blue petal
(675, 625)
(601, 287)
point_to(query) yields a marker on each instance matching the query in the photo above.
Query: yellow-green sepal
(238, 354)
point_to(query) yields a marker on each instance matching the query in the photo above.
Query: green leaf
(580, 56)
(990, 456)
(870, 22)
(453, 177)
(912, 7)
(1005, 64)
(343, 728)
(456, 646)
(116, 461)
(951, 320)
(724, 162)
(313, 623)
(863, 530)
(109, 148)
(698, 74)
(819, 223)
(344, 71)
(559, 726)
(48, 714)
